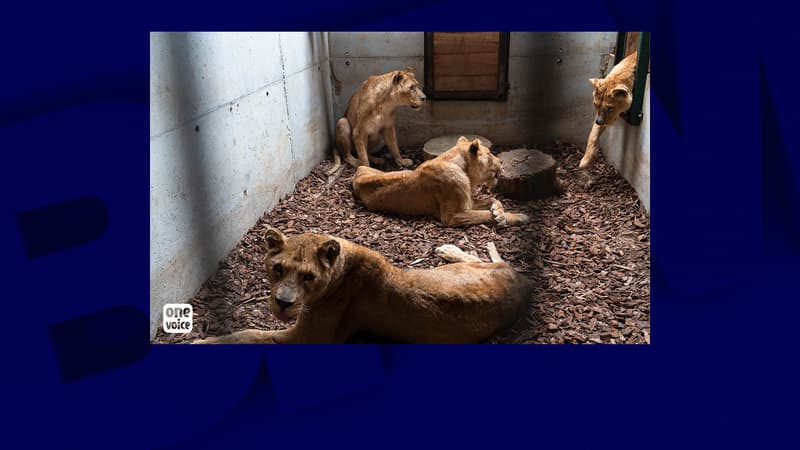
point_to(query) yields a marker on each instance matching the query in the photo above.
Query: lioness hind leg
(363, 176)
(337, 162)
(453, 254)
(241, 337)
(493, 254)
(344, 143)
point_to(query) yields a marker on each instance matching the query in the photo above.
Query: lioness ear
(620, 90)
(596, 82)
(463, 139)
(475, 146)
(398, 77)
(328, 252)
(274, 240)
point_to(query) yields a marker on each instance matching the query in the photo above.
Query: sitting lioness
(441, 187)
(336, 288)
(368, 123)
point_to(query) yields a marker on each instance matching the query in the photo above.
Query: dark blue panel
(720, 371)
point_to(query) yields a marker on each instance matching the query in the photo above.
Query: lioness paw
(497, 209)
(499, 215)
(404, 162)
(451, 253)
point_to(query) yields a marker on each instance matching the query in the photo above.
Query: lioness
(369, 121)
(336, 288)
(612, 96)
(441, 187)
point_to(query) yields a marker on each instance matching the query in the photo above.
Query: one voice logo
(177, 318)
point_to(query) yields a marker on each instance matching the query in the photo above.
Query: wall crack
(286, 107)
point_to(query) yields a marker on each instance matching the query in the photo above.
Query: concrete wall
(550, 96)
(627, 148)
(235, 120)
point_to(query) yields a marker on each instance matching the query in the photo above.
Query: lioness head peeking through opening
(611, 99)
(299, 270)
(612, 96)
(407, 90)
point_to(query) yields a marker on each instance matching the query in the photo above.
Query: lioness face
(407, 89)
(484, 167)
(609, 101)
(299, 270)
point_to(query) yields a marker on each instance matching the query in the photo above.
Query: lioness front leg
(360, 140)
(505, 218)
(470, 217)
(390, 138)
(501, 217)
(516, 219)
(591, 146)
(377, 160)
(249, 337)
(480, 203)
(494, 206)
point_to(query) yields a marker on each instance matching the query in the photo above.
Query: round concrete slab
(441, 144)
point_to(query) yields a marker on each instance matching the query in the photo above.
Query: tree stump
(527, 174)
(441, 144)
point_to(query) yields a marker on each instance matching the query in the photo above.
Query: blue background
(78, 370)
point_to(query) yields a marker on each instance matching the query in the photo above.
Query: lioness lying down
(441, 187)
(336, 288)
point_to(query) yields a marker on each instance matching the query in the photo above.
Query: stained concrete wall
(550, 96)
(627, 148)
(235, 120)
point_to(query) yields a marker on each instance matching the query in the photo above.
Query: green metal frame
(619, 53)
(634, 115)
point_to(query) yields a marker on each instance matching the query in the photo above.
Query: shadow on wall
(320, 46)
(196, 172)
